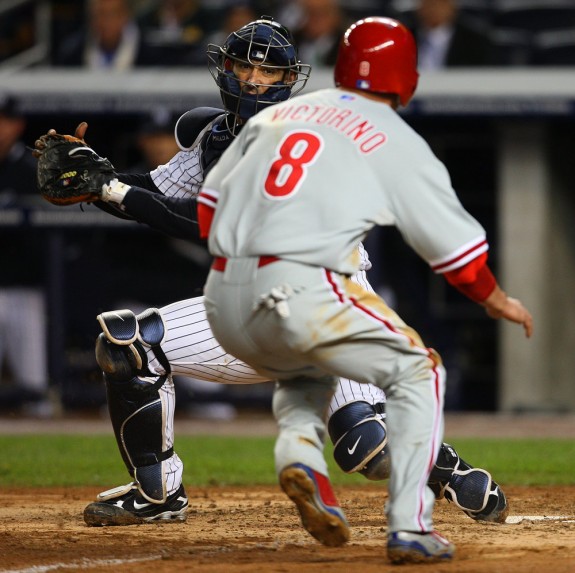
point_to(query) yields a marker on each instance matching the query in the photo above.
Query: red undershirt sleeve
(206, 201)
(475, 279)
(205, 217)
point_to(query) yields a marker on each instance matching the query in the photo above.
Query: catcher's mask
(259, 43)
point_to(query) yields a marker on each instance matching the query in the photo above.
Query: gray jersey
(380, 186)
(183, 176)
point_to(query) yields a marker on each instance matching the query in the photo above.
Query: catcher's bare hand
(499, 305)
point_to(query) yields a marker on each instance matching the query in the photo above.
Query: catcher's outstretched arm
(69, 171)
(174, 217)
(135, 180)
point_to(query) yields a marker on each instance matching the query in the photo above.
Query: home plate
(522, 518)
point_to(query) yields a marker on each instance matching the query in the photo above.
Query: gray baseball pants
(304, 325)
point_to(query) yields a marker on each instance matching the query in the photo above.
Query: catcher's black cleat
(126, 506)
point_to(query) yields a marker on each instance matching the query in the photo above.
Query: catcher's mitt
(69, 171)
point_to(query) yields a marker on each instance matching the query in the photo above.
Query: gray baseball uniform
(294, 194)
(189, 344)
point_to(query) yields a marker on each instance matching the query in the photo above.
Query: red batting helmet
(378, 55)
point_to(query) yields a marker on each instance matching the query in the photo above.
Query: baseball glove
(69, 171)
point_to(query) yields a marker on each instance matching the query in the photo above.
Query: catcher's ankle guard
(359, 435)
(457, 481)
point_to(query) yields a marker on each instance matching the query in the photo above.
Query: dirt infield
(248, 530)
(243, 530)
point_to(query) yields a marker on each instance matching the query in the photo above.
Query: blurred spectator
(288, 12)
(17, 31)
(446, 39)
(155, 141)
(321, 26)
(182, 265)
(180, 27)
(238, 14)
(111, 40)
(356, 9)
(23, 342)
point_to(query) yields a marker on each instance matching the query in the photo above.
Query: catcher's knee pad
(120, 362)
(453, 478)
(121, 348)
(359, 435)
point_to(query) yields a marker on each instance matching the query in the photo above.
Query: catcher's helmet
(262, 42)
(378, 55)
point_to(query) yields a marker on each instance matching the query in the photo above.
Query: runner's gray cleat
(410, 547)
(319, 510)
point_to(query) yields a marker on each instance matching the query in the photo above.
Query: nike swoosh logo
(351, 450)
(141, 505)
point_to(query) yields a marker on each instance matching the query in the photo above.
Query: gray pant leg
(410, 469)
(300, 407)
(322, 312)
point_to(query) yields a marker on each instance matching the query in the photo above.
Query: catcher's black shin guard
(134, 401)
(138, 422)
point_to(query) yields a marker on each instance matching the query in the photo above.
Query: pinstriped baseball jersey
(391, 178)
(183, 175)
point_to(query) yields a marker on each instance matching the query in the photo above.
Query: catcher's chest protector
(214, 142)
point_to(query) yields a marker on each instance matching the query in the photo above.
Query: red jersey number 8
(296, 152)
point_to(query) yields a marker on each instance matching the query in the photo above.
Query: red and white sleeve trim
(209, 197)
(461, 256)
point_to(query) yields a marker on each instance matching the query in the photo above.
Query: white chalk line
(522, 518)
(82, 564)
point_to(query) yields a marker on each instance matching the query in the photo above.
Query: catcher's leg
(471, 489)
(141, 408)
(358, 432)
(359, 435)
(193, 350)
